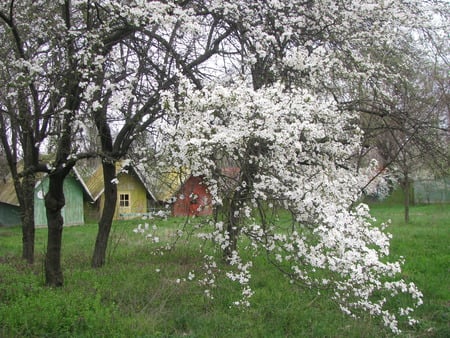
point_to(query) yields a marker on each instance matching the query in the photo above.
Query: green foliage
(137, 292)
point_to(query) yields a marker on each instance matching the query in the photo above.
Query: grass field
(137, 294)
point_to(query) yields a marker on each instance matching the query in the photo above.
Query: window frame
(124, 200)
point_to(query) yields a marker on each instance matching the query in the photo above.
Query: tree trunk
(27, 218)
(54, 202)
(24, 187)
(241, 194)
(109, 207)
(406, 191)
(232, 224)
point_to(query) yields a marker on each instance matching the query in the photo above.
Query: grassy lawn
(138, 293)
(425, 244)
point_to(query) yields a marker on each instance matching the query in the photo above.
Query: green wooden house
(9, 214)
(9, 205)
(73, 211)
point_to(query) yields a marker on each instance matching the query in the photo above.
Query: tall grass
(142, 294)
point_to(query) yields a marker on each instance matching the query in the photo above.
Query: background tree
(26, 104)
(52, 69)
(4, 171)
(409, 133)
(142, 68)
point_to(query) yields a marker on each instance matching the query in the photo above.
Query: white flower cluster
(242, 276)
(210, 271)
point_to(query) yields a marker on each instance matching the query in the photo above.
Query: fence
(432, 191)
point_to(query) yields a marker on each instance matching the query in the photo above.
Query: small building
(9, 214)
(134, 199)
(9, 204)
(193, 199)
(187, 194)
(73, 212)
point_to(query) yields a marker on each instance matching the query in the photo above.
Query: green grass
(129, 298)
(425, 244)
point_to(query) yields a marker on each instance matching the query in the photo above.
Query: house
(189, 193)
(193, 198)
(74, 193)
(9, 214)
(73, 212)
(134, 198)
(9, 205)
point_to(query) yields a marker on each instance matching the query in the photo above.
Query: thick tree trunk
(27, 218)
(104, 225)
(54, 202)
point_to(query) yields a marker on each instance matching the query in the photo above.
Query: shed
(193, 198)
(9, 204)
(134, 199)
(9, 214)
(73, 212)
(165, 183)
(188, 193)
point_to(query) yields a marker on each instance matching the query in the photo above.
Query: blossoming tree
(132, 75)
(39, 97)
(294, 151)
(290, 128)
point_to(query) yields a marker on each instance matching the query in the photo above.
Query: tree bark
(241, 194)
(406, 191)
(24, 187)
(232, 224)
(109, 207)
(27, 218)
(54, 202)
(109, 173)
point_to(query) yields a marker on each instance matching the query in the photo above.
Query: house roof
(94, 183)
(8, 192)
(166, 183)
